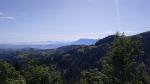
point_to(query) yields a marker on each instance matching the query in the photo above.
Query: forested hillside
(116, 59)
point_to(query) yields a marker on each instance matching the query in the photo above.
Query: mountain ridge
(87, 57)
(72, 59)
(49, 45)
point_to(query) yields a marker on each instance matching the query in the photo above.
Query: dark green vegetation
(116, 59)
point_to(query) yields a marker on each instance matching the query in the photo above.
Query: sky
(65, 20)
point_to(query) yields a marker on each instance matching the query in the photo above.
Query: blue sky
(61, 20)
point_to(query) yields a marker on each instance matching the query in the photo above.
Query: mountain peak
(84, 41)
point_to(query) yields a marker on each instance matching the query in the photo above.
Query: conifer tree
(120, 63)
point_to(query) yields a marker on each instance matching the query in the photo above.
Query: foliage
(93, 77)
(124, 61)
(42, 74)
(8, 74)
(119, 66)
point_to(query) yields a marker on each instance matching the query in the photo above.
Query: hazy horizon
(127, 33)
(68, 20)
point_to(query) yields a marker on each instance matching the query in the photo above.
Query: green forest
(116, 59)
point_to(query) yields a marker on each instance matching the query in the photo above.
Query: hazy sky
(45, 20)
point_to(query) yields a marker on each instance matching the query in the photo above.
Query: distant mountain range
(49, 45)
(77, 56)
(82, 58)
(84, 42)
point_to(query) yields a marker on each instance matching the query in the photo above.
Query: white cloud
(7, 17)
